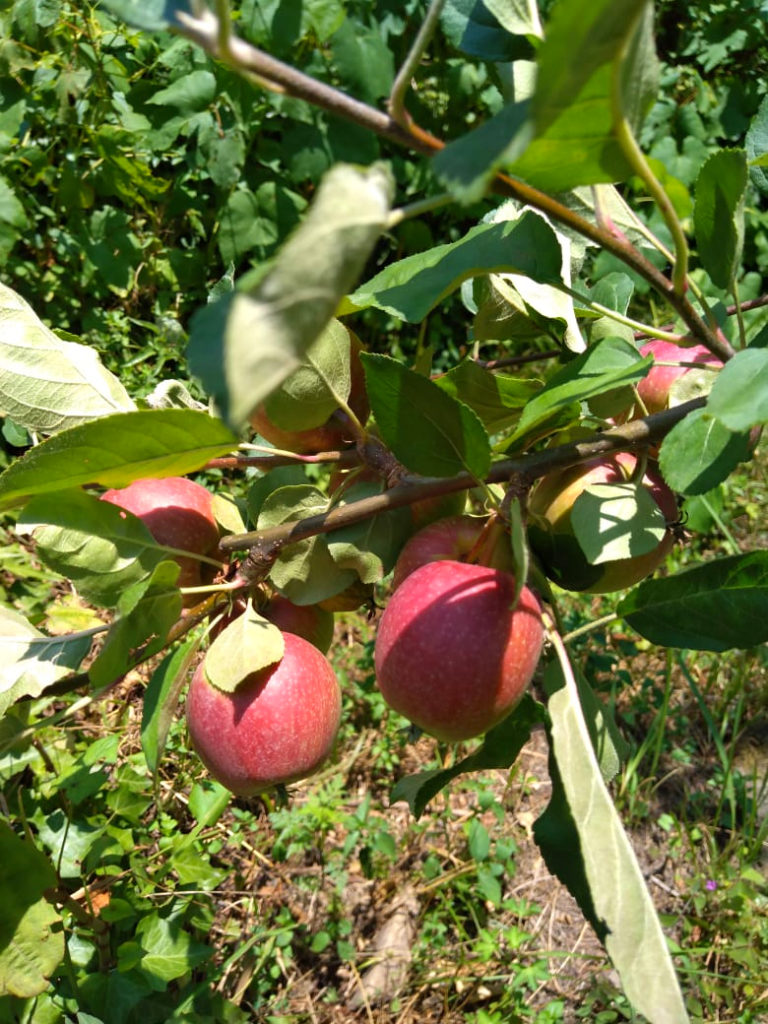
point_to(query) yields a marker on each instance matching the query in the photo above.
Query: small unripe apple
(654, 389)
(454, 538)
(179, 514)
(452, 654)
(551, 535)
(278, 726)
(335, 433)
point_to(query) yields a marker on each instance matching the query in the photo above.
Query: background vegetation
(135, 175)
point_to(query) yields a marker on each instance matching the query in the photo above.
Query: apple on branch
(551, 534)
(458, 538)
(179, 514)
(278, 726)
(454, 653)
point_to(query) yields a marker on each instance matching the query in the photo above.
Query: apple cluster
(458, 642)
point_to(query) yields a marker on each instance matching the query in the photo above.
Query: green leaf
(609, 364)
(756, 145)
(497, 30)
(93, 543)
(619, 901)
(699, 453)
(247, 645)
(245, 345)
(30, 661)
(305, 573)
(116, 450)
(364, 60)
(615, 521)
(410, 288)
(716, 606)
(497, 398)
(161, 698)
(189, 92)
(718, 214)
(146, 613)
(429, 431)
(309, 396)
(150, 15)
(260, 489)
(47, 384)
(166, 950)
(573, 104)
(739, 396)
(468, 165)
(31, 932)
(500, 748)
(370, 547)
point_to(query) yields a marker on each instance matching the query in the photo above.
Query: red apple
(277, 727)
(654, 389)
(309, 621)
(551, 535)
(179, 514)
(335, 432)
(454, 538)
(451, 652)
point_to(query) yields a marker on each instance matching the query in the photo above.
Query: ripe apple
(453, 538)
(451, 652)
(179, 514)
(551, 535)
(655, 388)
(309, 621)
(332, 434)
(277, 727)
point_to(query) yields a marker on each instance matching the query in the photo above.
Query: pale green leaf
(246, 645)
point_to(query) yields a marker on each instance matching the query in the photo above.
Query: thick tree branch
(636, 434)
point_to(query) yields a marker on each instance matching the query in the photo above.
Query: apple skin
(654, 388)
(179, 514)
(453, 538)
(309, 621)
(277, 727)
(552, 539)
(328, 436)
(451, 654)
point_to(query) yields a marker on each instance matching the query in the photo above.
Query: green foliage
(165, 210)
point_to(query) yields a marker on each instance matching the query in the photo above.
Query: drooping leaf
(615, 521)
(246, 645)
(244, 345)
(718, 214)
(699, 453)
(116, 450)
(429, 431)
(93, 543)
(572, 111)
(31, 935)
(30, 661)
(161, 698)
(739, 396)
(619, 903)
(499, 749)
(497, 398)
(609, 364)
(309, 395)
(716, 606)
(410, 288)
(305, 573)
(47, 384)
